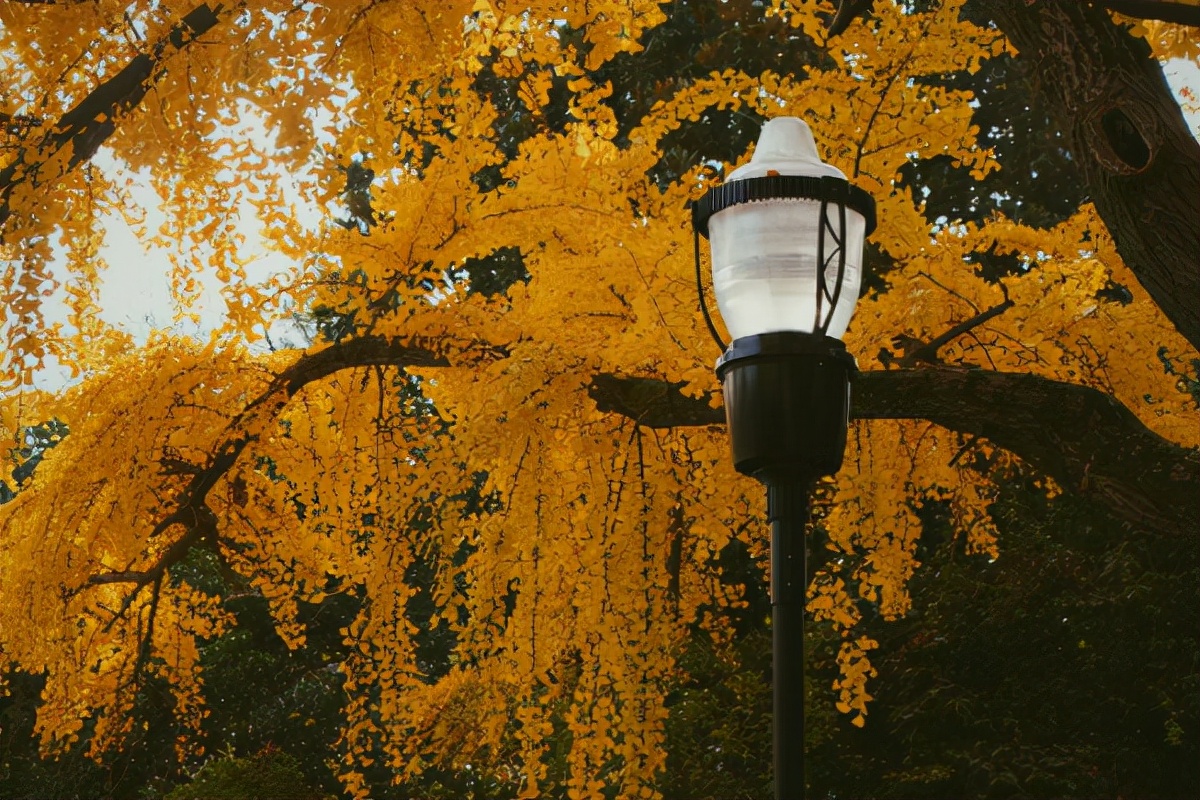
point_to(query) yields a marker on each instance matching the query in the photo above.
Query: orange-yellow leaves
(1167, 40)
(829, 601)
(535, 90)
(811, 18)
(855, 670)
(593, 546)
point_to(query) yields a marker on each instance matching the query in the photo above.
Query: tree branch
(928, 351)
(89, 124)
(1084, 439)
(1162, 10)
(846, 12)
(191, 509)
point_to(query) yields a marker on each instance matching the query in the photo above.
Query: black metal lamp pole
(787, 510)
(786, 381)
(787, 402)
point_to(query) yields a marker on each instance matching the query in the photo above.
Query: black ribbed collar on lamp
(783, 187)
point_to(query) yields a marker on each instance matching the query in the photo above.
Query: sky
(136, 291)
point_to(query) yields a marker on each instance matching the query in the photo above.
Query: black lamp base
(787, 403)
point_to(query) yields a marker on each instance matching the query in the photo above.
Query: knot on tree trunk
(1120, 143)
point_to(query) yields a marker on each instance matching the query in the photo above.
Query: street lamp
(786, 235)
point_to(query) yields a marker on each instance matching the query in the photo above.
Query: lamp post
(786, 235)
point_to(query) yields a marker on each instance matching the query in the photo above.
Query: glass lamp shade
(764, 265)
(769, 252)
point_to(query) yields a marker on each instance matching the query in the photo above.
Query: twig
(928, 351)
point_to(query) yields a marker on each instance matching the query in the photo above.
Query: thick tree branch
(847, 10)
(88, 125)
(1084, 439)
(263, 410)
(1124, 129)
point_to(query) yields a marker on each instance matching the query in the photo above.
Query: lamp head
(786, 232)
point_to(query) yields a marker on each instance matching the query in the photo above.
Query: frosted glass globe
(764, 257)
(764, 252)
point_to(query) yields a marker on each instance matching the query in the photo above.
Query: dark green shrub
(270, 775)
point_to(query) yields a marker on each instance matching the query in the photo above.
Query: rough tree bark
(1124, 129)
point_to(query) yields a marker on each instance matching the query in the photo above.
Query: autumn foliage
(508, 382)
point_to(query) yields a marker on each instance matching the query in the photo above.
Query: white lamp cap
(785, 147)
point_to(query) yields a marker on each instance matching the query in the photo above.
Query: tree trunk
(1124, 128)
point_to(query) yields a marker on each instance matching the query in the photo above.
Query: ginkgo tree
(508, 381)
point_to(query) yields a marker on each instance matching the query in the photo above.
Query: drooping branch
(263, 410)
(190, 509)
(1084, 439)
(93, 120)
(1124, 129)
(202, 525)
